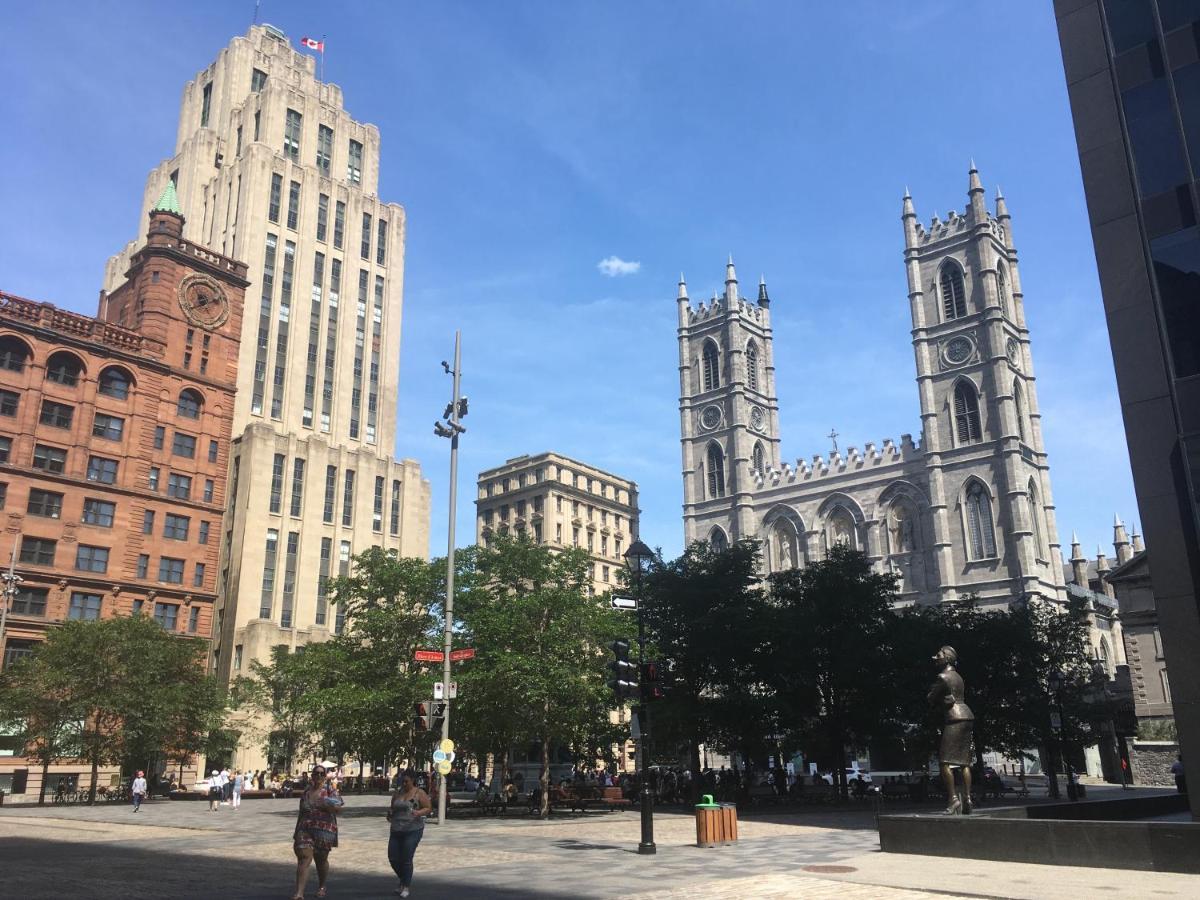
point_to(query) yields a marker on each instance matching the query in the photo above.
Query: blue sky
(529, 141)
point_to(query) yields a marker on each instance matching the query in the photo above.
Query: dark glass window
(213, 450)
(13, 354)
(91, 559)
(205, 105)
(152, 477)
(148, 521)
(277, 482)
(209, 485)
(1187, 89)
(1130, 22)
(5, 449)
(98, 512)
(194, 612)
(84, 606)
(1176, 12)
(179, 486)
(175, 527)
(339, 224)
(258, 80)
(365, 249)
(143, 568)
(37, 551)
(291, 136)
(324, 148)
(108, 427)
(115, 382)
(49, 459)
(202, 536)
(189, 405)
(45, 503)
(30, 601)
(160, 435)
(966, 414)
(9, 402)
(297, 486)
(354, 165)
(330, 491)
(348, 499)
(57, 415)
(276, 197)
(1157, 149)
(322, 216)
(64, 368)
(1177, 271)
(293, 215)
(102, 470)
(165, 615)
(170, 570)
(184, 445)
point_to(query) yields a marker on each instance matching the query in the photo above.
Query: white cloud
(614, 266)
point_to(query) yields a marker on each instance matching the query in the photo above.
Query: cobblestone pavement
(180, 849)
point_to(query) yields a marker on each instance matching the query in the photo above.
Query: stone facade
(1131, 582)
(562, 502)
(114, 444)
(967, 510)
(270, 166)
(1150, 762)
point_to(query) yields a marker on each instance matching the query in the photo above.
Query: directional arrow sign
(460, 655)
(429, 656)
(623, 602)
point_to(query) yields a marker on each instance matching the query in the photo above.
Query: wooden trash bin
(716, 824)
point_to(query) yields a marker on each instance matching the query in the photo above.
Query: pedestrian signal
(624, 673)
(422, 719)
(651, 682)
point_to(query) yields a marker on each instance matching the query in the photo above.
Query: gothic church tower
(988, 474)
(729, 413)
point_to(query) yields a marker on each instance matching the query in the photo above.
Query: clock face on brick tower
(203, 301)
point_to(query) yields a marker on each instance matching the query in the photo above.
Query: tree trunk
(45, 776)
(95, 766)
(544, 779)
(695, 786)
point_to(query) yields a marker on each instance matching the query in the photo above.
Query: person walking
(316, 831)
(1180, 775)
(214, 791)
(239, 781)
(226, 786)
(138, 789)
(410, 807)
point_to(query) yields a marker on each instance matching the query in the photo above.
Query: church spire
(978, 205)
(763, 299)
(731, 291)
(683, 294)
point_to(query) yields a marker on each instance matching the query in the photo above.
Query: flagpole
(322, 57)
(257, 4)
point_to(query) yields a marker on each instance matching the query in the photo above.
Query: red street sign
(460, 655)
(429, 656)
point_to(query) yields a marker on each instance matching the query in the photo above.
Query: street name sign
(460, 655)
(428, 656)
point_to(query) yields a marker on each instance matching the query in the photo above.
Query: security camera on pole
(450, 428)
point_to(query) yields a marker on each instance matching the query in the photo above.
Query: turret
(978, 206)
(1102, 570)
(1079, 566)
(1138, 546)
(763, 299)
(909, 216)
(1121, 542)
(166, 219)
(682, 301)
(731, 289)
(1004, 218)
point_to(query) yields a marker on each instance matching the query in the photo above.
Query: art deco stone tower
(270, 168)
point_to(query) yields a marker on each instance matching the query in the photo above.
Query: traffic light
(652, 682)
(422, 720)
(437, 712)
(623, 682)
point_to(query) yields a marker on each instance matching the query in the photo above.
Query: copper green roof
(169, 202)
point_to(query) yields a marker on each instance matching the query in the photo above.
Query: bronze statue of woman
(955, 752)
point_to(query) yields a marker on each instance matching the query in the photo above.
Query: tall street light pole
(637, 558)
(11, 580)
(451, 429)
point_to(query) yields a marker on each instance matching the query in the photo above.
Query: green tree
(38, 707)
(828, 655)
(136, 689)
(278, 689)
(704, 620)
(539, 639)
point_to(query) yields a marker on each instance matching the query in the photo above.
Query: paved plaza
(180, 849)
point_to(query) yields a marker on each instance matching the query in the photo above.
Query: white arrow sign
(623, 602)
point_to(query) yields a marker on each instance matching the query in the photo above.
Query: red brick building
(114, 445)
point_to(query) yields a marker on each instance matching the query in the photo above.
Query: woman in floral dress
(316, 831)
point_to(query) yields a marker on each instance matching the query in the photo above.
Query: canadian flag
(313, 44)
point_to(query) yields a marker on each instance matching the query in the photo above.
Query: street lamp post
(11, 580)
(451, 428)
(637, 559)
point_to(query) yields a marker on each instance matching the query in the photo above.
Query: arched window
(189, 405)
(1035, 515)
(966, 414)
(115, 382)
(1019, 406)
(758, 459)
(716, 472)
(717, 541)
(712, 366)
(981, 533)
(14, 354)
(1104, 657)
(1002, 287)
(752, 366)
(954, 298)
(64, 368)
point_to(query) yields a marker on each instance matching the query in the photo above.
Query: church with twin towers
(965, 509)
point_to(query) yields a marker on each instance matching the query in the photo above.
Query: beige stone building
(562, 502)
(269, 167)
